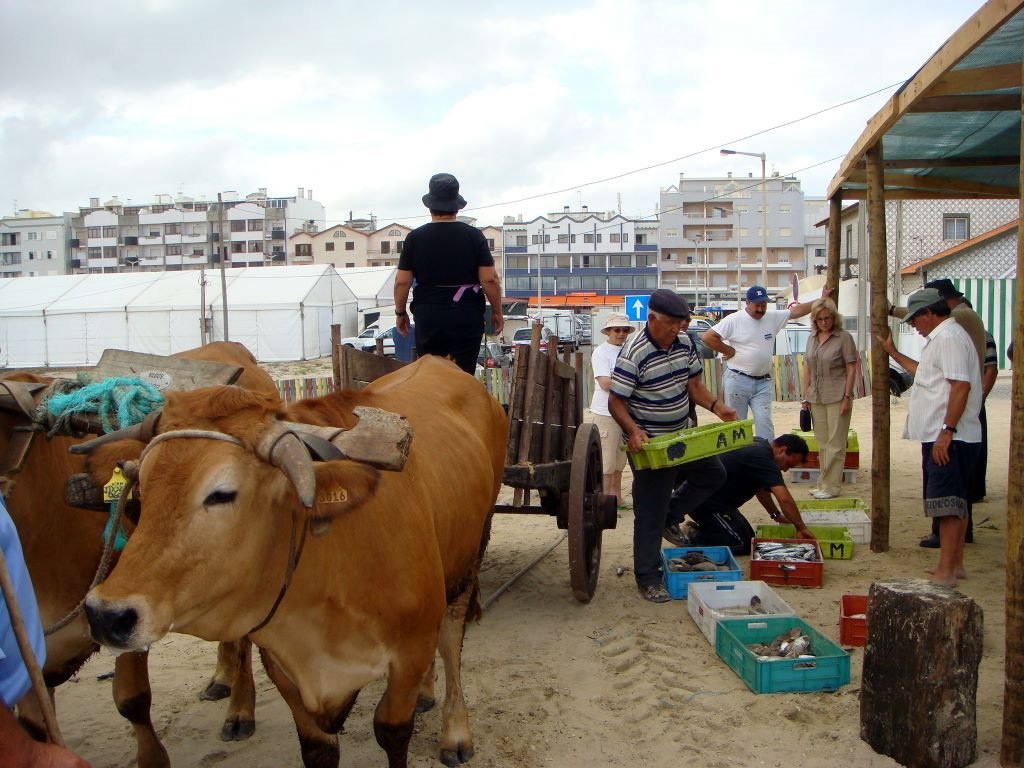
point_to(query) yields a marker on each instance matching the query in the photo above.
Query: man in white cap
(657, 375)
(454, 270)
(746, 340)
(943, 415)
(602, 361)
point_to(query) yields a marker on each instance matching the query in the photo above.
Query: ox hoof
(424, 704)
(237, 729)
(458, 756)
(215, 692)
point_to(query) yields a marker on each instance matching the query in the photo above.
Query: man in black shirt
(753, 470)
(454, 270)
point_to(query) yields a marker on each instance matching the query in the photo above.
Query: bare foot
(958, 573)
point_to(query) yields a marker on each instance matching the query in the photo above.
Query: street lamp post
(696, 271)
(764, 210)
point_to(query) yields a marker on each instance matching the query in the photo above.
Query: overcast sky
(362, 102)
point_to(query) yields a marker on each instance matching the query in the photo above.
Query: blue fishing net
(118, 402)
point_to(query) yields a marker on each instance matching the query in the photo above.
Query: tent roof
(367, 282)
(953, 129)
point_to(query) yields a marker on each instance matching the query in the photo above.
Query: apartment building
(602, 253)
(184, 233)
(713, 231)
(33, 244)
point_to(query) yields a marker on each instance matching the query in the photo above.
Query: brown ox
(399, 562)
(62, 547)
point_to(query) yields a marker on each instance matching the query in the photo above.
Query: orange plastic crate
(853, 628)
(787, 573)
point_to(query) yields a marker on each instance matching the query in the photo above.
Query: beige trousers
(830, 431)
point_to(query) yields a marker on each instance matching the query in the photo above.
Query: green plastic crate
(835, 541)
(692, 444)
(827, 671)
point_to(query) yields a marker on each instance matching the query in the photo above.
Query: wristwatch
(947, 428)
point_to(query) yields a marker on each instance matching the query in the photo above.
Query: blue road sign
(636, 308)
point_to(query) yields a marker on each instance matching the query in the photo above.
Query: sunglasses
(619, 330)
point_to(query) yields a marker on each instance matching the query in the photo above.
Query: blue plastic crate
(827, 671)
(677, 583)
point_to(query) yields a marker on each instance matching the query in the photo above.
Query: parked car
(492, 356)
(357, 342)
(521, 338)
(367, 340)
(703, 350)
(792, 340)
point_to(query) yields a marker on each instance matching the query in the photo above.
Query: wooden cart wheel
(585, 513)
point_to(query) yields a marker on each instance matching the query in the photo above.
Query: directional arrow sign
(636, 308)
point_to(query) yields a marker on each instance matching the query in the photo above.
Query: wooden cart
(551, 452)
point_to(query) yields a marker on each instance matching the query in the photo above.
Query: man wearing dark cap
(970, 321)
(454, 270)
(943, 416)
(747, 342)
(656, 376)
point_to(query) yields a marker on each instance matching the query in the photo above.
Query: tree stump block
(920, 679)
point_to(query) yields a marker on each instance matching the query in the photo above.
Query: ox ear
(341, 487)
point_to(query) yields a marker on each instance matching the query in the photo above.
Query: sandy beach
(616, 682)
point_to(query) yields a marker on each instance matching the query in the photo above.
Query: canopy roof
(953, 129)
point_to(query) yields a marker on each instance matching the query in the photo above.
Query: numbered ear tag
(115, 486)
(331, 501)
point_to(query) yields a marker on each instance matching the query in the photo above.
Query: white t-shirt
(602, 361)
(948, 354)
(753, 340)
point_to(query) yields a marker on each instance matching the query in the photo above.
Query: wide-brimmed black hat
(444, 194)
(945, 287)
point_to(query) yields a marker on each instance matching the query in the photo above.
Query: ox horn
(283, 448)
(143, 431)
(17, 396)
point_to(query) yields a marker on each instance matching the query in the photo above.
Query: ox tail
(474, 610)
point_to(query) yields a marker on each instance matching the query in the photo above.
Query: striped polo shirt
(654, 382)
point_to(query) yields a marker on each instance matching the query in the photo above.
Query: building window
(255, 246)
(340, 233)
(238, 225)
(172, 229)
(254, 225)
(32, 236)
(49, 254)
(350, 246)
(490, 244)
(646, 260)
(641, 239)
(590, 237)
(956, 226)
(94, 231)
(394, 233)
(109, 252)
(95, 253)
(613, 237)
(198, 252)
(819, 253)
(399, 245)
(782, 257)
(349, 264)
(620, 260)
(174, 250)
(110, 231)
(385, 246)
(329, 247)
(625, 237)
(517, 262)
(304, 251)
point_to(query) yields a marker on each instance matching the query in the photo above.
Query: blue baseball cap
(756, 294)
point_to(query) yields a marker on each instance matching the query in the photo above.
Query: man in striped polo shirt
(656, 376)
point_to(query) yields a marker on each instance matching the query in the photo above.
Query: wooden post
(879, 359)
(835, 244)
(920, 680)
(335, 354)
(1012, 750)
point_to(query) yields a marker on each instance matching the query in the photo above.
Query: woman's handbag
(805, 419)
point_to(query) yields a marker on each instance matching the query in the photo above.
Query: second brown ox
(389, 582)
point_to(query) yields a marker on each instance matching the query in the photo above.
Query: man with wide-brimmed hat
(657, 375)
(943, 416)
(970, 321)
(453, 270)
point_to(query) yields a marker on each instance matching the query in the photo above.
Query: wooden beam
(879, 303)
(952, 187)
(973, 32)
(977, 79)
(921, 194)
(1012, 748)
(982, 102)
(947, 162)
(834, 241)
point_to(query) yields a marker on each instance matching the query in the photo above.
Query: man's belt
(755, 378)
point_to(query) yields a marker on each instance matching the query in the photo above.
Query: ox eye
(220, 497)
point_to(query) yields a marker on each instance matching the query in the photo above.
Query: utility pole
(223, 257)
(202, 306)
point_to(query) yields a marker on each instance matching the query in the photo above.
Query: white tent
(373, 286)
(279, 313)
